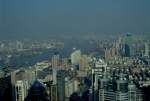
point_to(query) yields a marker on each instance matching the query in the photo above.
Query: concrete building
(61, 85)
(20, 90)
(71, 86)
(75, 57)
(56, 61)
(84, 63)
(147, 50)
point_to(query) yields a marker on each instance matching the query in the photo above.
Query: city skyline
(74, 50)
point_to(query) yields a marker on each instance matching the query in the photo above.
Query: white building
(20, 90)
(147, 51)
(71, 86)
(97, 71)
(75, 57)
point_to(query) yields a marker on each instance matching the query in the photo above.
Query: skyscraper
(61, 85)
(83, 64)
(13, 82)
(128, 45)
(147, 51)
(37, 92)
(53, 92)
(122, 90)
(75, 57)
(20, 90)
(2, 73)
(127, 50)
(55, 60)
(134, 94)
(6, 89)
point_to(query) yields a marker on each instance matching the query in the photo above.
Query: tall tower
(122, 89)
(55, 60)
(83, 64)
(103, 84)
(75, 57)
(128, 45)
(132, 92)
(53, 93)
(37, 92)
(146, 50)
(61, 74)
(20, 91)
(13, 82)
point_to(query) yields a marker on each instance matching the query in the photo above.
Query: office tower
(55, 60)
(65, 63)
(128, 45)
(2, 74)
(110, 53)
(37, 92)
(30, 76)
(75, 57)
(84, 64)
(13, 78)
(20, 91)
(27, 85)
(103, 83)
(53, 92)
(126, 50)
(61, 74)
(122, 89)
(119, 42)
(13, 82)
(107, 54)
(111, 89)
(54, 76)
(6, 89)
(97, 72)
(71, 86)
(147, 52)
(134, 93)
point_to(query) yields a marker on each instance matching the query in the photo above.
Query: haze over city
(50, 18)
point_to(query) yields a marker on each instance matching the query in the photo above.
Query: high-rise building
(65, 63)
(107, 54)
(97, 72)
(134, 94)
(13, 78)
(118, 90)
(84, 63)
(61, 74)
(20, 91)
(147, 51)
(51, 90)
(30, 76)
(53, 93)
(75, 57)
(6, 89)
(13, 82)
(71, 86)
(2, 74)
(54, 78)
(110, 53)
(55, 60)
(122, 90)
(103, 90)
(128, 45)
(37, 92)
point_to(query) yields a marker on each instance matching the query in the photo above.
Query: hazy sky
(42, 18)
